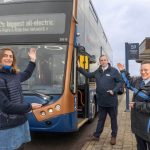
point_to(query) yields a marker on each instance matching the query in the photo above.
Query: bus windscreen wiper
(41, 95)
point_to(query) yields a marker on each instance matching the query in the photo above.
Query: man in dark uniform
(108, 83)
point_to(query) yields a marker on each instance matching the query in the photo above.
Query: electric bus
(63, 33)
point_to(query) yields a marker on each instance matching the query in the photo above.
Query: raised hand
(32, 54)
(120, 66)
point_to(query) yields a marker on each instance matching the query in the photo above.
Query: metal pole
(75, 70)
(127, 69)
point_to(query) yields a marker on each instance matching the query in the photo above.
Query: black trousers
(103, 111)
(142, 144)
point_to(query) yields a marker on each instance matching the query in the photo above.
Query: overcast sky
(124, 21)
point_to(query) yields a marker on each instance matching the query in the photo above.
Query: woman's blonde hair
(14, 66)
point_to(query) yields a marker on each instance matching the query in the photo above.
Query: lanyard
(135, 90)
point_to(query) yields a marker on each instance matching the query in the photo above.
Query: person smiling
(14, 128)
(140, 106)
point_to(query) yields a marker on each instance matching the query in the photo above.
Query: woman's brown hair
(14, 66)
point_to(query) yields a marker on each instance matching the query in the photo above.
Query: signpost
(131, 53)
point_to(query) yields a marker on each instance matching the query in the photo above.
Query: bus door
(85, 89)
(83, 86)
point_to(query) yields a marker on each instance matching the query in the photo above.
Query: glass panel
(81, 79)
(46, 21)
(48, 76)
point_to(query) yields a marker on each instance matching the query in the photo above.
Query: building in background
(144, 50)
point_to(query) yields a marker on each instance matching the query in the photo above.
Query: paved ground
(125, 139)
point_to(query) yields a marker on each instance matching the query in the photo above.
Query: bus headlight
(43, 113)
(50, 110)
(58, 107)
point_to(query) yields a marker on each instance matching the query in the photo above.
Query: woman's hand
(120, 66)
(36, 106)
(32, 54)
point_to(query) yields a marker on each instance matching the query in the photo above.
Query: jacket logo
(108, 75)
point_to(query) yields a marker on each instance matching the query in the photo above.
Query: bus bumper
(63, 123)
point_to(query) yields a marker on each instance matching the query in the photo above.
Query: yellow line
(82, 122)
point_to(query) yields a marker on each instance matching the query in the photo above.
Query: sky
(124, 21)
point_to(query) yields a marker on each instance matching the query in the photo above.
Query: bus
(63, 32)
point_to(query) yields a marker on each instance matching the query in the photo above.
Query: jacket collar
(6, 69)
(146, 81)
(108, 69)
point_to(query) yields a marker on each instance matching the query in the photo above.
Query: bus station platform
(125, 138)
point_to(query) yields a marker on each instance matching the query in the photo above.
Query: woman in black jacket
(14, 128)
(140, 106)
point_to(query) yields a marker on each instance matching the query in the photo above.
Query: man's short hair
(145, 62)
(103, 56)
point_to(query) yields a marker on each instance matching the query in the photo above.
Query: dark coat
(140, 114)
(12, 109)
(109, 79)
